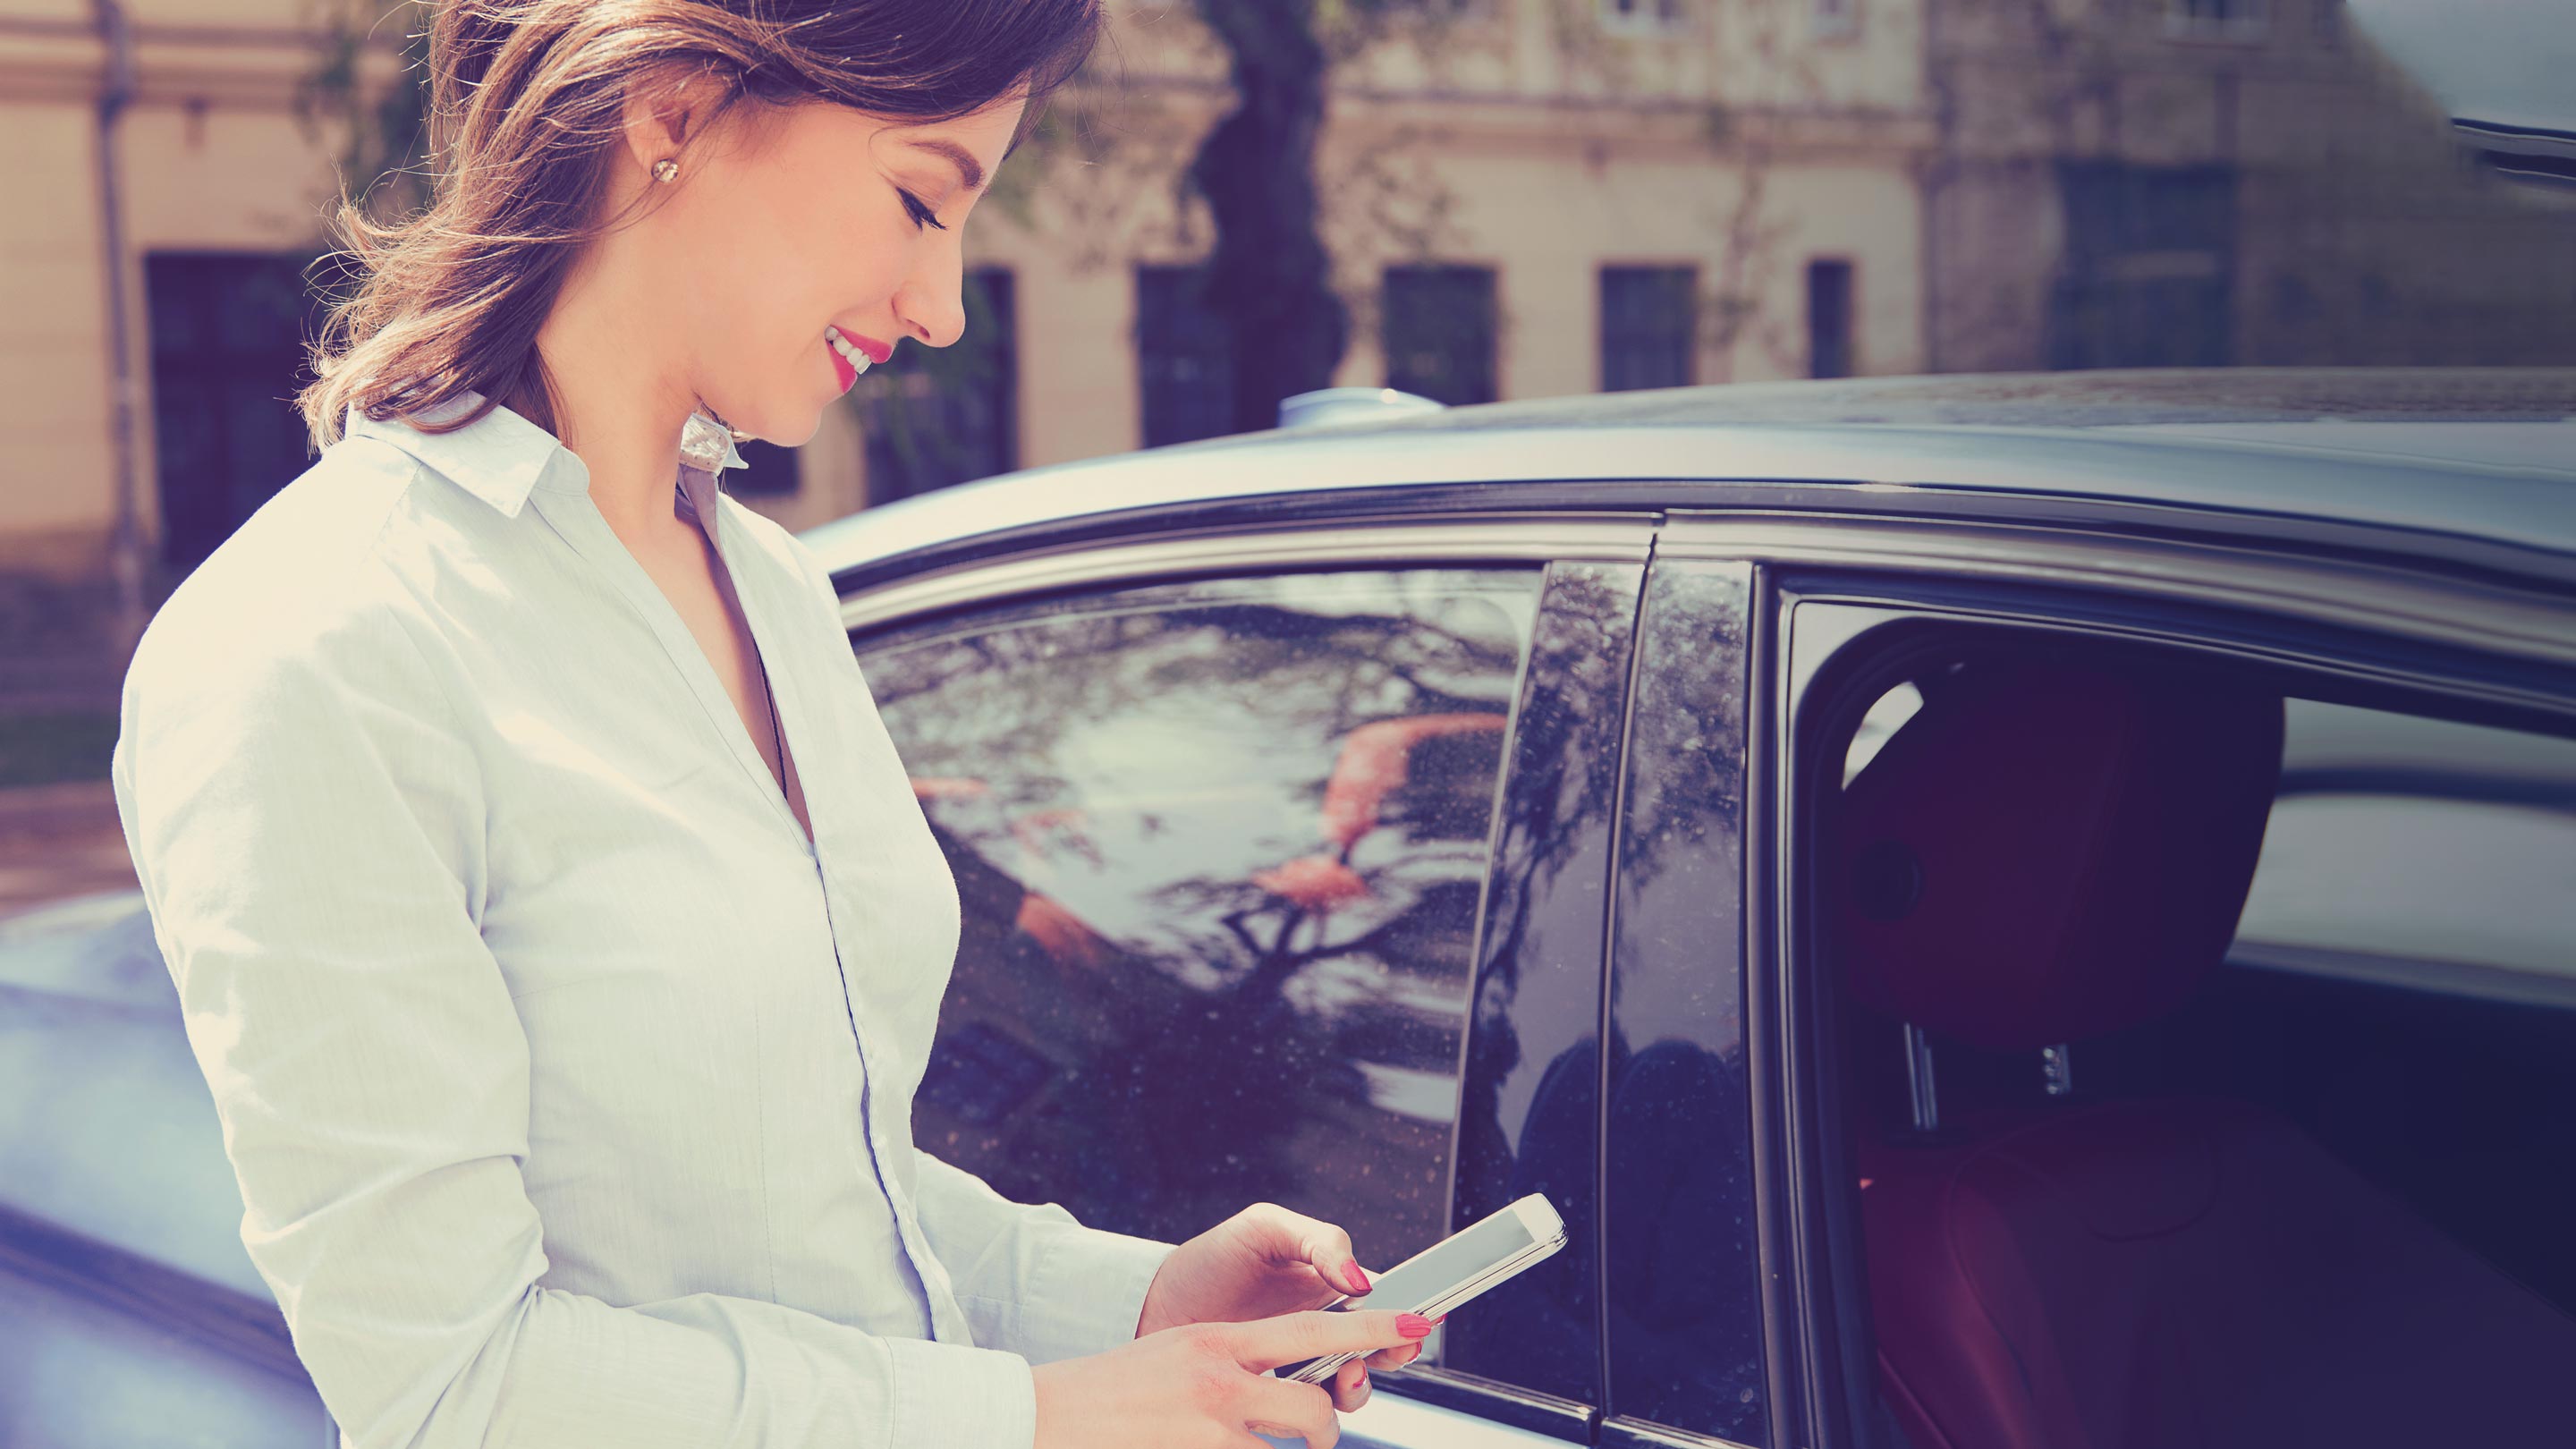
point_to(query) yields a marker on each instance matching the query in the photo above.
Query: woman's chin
(784, 427)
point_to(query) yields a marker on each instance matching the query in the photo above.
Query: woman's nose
(931, 306)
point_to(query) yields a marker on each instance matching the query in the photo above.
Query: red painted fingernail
(1414, 1325)
(1352, 1276)
(1443, 1318)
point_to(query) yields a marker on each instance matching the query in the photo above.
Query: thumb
(1319, 1245)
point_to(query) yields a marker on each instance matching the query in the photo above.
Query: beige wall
(53, 328)
(1557, 147)
(210, 159)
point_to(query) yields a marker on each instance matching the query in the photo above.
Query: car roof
(2448, 463)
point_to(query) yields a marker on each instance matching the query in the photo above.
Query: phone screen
(1434, 1275)
(1421, 1280)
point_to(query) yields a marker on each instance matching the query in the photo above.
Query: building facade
(2156, 183)
(1523, 198)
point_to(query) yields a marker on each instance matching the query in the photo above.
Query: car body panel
(2402, 461)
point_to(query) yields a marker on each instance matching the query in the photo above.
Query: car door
(1223, 816)
(2389, 1019)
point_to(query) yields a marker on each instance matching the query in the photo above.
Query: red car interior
(2048, 852)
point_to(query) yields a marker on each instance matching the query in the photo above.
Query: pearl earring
(666, 169)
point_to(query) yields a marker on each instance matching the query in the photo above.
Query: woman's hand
(1264, 1261)
(1206, 1385)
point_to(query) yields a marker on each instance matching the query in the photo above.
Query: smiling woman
(551, 916)
(806, 166)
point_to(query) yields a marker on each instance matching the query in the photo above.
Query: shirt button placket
(946, 1323)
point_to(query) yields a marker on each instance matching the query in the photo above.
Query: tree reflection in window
(1219, 846)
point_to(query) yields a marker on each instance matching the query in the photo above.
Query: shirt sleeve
(308, 829)
(1031, 1279)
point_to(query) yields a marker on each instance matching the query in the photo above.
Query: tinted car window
(2085, 1153)
(1219, 846)
(2397, 838)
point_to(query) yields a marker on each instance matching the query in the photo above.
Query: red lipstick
(878, 352)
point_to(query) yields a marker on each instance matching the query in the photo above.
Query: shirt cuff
(961, 1398)
(1087, 1293)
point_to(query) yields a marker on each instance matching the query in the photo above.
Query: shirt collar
(500, 457)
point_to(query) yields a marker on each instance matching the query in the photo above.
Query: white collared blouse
(567, 1083)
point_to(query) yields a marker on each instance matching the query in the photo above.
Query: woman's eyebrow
(969, 170)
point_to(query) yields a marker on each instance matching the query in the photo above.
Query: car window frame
(1543, 540)
(2467, 646)
(1685, 599)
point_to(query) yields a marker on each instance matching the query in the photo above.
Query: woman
(552, 918)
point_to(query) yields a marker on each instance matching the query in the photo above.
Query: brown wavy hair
(526, 107)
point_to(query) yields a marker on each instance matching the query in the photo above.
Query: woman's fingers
(1318, 1244)
(1266, 1343)
(1395, 1358)
(1291, 1411)
(1351, 1384)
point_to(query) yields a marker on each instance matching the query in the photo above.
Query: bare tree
(1269, 277)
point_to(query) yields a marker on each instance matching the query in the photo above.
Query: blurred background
(1243, 199)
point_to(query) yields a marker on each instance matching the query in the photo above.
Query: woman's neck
(618, 405)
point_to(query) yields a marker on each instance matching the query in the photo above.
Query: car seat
(2049, 852)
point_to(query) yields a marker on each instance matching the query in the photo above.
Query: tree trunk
(1269, 278)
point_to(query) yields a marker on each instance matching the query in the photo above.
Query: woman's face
(809, 217)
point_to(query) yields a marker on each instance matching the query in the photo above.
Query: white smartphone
(1450, 1272)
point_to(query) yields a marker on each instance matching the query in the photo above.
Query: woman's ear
(666, 108)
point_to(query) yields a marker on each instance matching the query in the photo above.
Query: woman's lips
(841, 367)
(869, 347)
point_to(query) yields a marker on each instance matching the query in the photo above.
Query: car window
(1219, 846)
(2189, 1019)
(2402, 846)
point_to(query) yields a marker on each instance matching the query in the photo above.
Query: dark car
(2003, 911)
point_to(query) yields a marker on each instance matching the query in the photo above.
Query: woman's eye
(921, 215)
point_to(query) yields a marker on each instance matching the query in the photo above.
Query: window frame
(2470, 648)
(1656, 660)
(1543, 539)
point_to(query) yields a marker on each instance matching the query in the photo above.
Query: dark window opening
(228, 335)
(2149, 269)
(1439, 330)
(2268, 1051)
(769, 471)
(939, 416)
(1829, 319)
(1649, 330)
(1184, 368)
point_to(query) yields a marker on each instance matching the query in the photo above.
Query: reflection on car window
(2402, 846)
(1219, 846)
(1887, 714)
